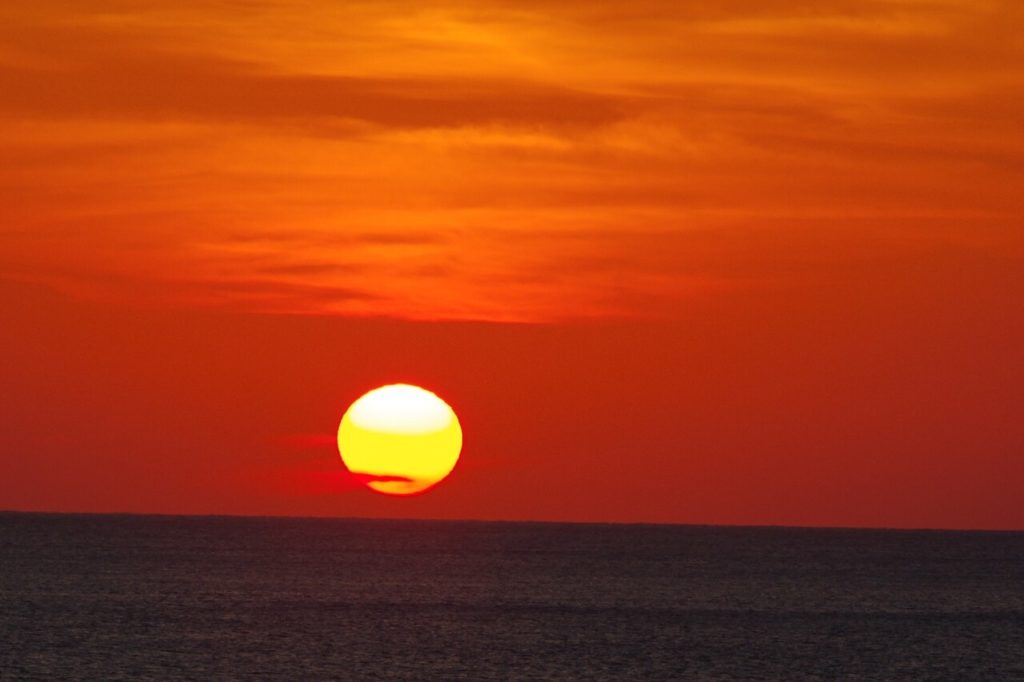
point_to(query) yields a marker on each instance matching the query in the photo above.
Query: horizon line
(767, 526)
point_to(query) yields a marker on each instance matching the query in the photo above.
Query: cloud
(206, 89)
(307, 441)
(497, 160)
(379, 478)
(104, 75)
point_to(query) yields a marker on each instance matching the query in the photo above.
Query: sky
(744, 263)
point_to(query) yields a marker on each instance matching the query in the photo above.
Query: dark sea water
(134, 597)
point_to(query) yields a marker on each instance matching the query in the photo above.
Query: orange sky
(692, 264)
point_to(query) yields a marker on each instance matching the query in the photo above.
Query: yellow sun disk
(400, 439)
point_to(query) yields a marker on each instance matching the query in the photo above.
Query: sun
(400, 439)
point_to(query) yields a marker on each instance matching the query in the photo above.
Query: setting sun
(399, 439)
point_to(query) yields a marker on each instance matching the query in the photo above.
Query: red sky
(697, 264)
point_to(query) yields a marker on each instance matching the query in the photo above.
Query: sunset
(662, 263)
(401, 439)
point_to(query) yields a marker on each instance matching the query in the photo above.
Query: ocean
(157, 597)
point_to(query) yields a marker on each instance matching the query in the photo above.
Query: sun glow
(400, 439)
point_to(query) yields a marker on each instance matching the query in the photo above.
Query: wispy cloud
(499, 160)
